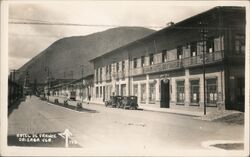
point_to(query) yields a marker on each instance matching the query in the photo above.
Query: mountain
(65, 56)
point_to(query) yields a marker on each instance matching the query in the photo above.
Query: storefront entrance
(165, 94)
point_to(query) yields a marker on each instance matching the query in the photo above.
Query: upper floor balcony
(120, 74)
(107, 77)
(180, 63)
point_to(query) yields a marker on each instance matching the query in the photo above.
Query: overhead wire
(25, 21)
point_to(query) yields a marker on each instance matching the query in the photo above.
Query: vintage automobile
(130, 102)
(115, 101)
(72, 95)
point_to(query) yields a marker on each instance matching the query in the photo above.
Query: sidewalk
(174, 111)
(210, 116)
(224, 115)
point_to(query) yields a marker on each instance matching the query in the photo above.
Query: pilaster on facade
(147, 89)
(157, 91)
(187, 88)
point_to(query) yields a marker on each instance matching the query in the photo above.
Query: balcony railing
(108, 77)
(198, 60)
(120, 75)
(177, 64)
(136, 71)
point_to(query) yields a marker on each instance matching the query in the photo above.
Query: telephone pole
(203, 31)
(48, 81)
(82, 66)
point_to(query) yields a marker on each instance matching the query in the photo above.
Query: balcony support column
(147, 89)
(187, 88)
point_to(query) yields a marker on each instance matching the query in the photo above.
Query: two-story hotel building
(165, 69)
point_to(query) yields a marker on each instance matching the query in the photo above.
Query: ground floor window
(116, 89)
(135, 90)
(211, 91)
(97, 92)
(194, 92)
(81, 94)
(108, 92)
(180, 88)
(123, 89)
(143, 92)
(151, 92)
(101, 91)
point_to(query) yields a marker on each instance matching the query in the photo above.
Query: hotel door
(165, 95)
(104, 95)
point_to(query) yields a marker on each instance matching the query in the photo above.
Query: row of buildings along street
(195, 67)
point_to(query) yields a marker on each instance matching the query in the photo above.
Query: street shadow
(15, 105)
(79, 109)
(139, 109)
(49, 139)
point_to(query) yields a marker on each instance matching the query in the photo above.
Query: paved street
(118, 129)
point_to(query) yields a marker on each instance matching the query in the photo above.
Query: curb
(183, 114)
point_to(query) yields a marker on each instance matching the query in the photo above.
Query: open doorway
(165, 94)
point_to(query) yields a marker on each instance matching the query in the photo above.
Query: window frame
(192, 103)
(210, 44)
(164, 56)
(123, 65)
(135, 85)
(152, 101)
(182, 98)
(135, 63)
(214, 102)
(145, 88)
(179, 52)
(193, 49)
(117, 67)
(151, 59)
(142, 61)
(241, 39)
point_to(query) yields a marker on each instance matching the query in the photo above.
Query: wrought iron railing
(180, 63)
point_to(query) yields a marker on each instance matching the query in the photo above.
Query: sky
(27, 40)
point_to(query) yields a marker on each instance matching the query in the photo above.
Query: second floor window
(110, 69)
(179, 52)
(164, 56)
(193, 49)
(151, 59)
(142, 61)
(123, 65)
(117, 66)
(239, 44)
(135, 62)
(210, 45)
(96, 75)
(107, 69)
(100, 74)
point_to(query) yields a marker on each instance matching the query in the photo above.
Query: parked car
(130, 102)
(72, 95)
(114, 101)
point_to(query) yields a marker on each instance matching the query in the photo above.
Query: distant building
(82, 88)
(165, 69)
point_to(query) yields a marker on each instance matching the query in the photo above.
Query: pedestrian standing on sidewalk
(89, 98)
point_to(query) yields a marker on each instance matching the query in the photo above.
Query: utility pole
(113, 77)
(48, 80)
(204, 32)
(82, 66)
